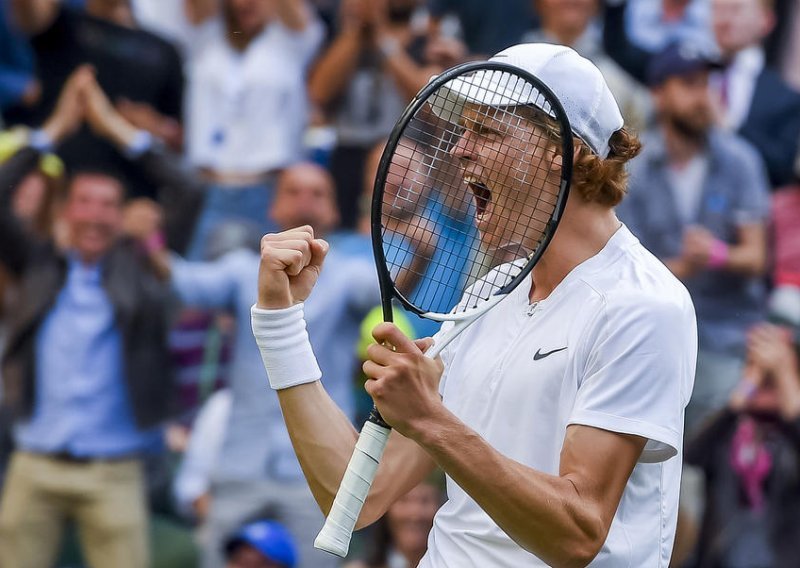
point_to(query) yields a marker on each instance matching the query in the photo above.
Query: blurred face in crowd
(410, 519)
(305, 196)
(248, 16)
(93, 214)
(117, 11)
(245, 556)
(684, 103)
(740, 23)
(567, 18)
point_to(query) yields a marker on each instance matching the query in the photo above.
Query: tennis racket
(469, 191)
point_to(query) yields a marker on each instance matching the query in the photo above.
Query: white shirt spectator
(247, 111)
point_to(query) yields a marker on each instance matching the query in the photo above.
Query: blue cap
(268, 537)
(680, 59)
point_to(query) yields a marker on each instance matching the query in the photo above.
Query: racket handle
(335, 535)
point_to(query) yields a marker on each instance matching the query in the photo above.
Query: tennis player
(558, 416)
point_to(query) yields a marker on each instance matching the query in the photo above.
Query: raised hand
(68, 114)
(290, 265)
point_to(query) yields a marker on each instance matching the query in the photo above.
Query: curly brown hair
(604, 181)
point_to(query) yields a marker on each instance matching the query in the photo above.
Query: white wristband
(285, 349)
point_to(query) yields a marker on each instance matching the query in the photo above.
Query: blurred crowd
(146, 146)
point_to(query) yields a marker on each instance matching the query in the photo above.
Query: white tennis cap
(578, 84)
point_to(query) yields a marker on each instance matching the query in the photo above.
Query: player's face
(739, 23)
(509, 165)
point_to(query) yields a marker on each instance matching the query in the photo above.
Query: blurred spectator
(130, 63)
(569, 22)
(247, 107)
(400, 537)
(752, 97)
(484, 31)
(654, 24)
(262, 544)
(442, 221)
(698, 200)
(18, 84)
(750, 452)
(192, 486)
(86, 369)
(372, 69)
(257, 469)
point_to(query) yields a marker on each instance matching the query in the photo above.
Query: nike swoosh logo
(539, 355)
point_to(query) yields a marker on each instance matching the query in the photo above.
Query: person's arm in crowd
(34, 16)
(294, 14)
(63, 122)
(771, 349)
(322, 435)
(334, 69)
(180, 192)
(702, 250)
(409, 75)
(618, 45)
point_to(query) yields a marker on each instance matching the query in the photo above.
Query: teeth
(482, 196)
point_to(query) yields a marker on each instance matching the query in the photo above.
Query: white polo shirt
(246, 112)
(613, 347)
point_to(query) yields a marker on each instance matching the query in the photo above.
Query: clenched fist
(290, 265)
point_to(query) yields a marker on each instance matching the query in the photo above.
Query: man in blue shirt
(699, 201)
(257, 471)
(86, 370)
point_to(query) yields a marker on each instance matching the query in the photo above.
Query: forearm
(542, 513)
(746, 260)
(335, 68)
(409, 76)
(324, 440)
(679, 267)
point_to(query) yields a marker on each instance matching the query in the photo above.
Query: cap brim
(484, 88)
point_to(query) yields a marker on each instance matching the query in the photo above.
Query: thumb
(424, 343)
(319, 250)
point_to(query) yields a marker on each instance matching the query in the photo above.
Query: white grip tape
(335, 535)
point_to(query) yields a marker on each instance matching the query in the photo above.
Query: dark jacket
(141, 301)
(710, 450)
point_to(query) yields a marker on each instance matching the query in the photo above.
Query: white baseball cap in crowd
(577, 83)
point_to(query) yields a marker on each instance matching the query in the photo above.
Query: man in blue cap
(263, 544)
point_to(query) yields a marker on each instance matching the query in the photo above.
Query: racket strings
(470, 192)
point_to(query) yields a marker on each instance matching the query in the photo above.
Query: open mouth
(482, 196)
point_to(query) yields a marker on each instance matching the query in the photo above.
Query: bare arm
(749, 255)
(324, 440)
(34, 16)
(321, 434)
(563, 519)
(335, 67)
(407, 73)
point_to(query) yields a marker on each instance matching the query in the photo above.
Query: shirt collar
(749, 61)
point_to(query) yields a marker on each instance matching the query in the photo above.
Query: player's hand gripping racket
(469, 192)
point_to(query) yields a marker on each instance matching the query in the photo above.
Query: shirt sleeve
(639, 369)
(208, 284)
(752, 205)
